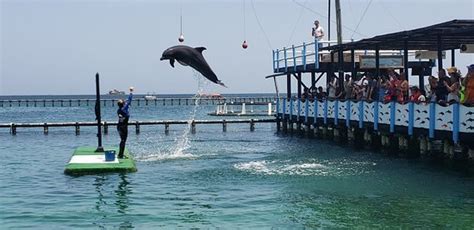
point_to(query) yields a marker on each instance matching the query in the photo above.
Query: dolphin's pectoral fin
(200, 49)
(182, 63)
(172, 62)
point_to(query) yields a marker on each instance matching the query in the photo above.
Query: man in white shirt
(317, 32)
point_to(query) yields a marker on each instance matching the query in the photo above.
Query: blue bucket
(110, 155)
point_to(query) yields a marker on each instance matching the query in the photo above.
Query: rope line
(260, 25)
(324, 16)
(361, 18)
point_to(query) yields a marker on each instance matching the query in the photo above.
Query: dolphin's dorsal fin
(172, 62)
(200, 49)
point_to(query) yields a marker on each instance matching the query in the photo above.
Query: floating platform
(86, 160)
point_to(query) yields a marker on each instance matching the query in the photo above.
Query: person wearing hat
(469, 85)
(123, 114)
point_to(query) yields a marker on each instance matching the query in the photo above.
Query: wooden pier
(166, 123)
(137, 101)
(437, 131)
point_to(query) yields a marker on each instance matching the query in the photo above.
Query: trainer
(123, 116)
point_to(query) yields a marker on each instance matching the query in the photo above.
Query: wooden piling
(193, 127)
(167, 128)
(106, 127)
(78, 129)
(137, 127)
(252, 125)
(45, 129)
(13, 129)
(224, 126)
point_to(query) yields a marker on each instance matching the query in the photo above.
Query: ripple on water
(310, 167)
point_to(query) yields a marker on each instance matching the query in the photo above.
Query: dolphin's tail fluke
(220, 83)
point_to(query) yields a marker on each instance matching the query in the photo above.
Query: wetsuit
(122, 126)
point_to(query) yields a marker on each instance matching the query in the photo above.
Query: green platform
(86, 161)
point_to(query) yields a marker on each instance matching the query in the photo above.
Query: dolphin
(189, 56)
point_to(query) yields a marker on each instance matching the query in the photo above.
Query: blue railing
(456, 119)
(300, 55)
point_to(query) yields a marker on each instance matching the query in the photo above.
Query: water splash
(183, 142)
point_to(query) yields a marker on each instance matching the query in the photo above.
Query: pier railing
(135, 102)
(431, 119)
(105, 125)
(288, 58)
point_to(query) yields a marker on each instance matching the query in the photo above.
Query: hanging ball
(244, 45)
(181, 38)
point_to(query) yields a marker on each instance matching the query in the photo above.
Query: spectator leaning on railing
(468, 82)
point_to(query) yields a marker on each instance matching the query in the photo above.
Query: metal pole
(288, 85)
(405, 59)
(98, 115)
(440, 53)
(329, 20)
(299, 85)
(453, 58)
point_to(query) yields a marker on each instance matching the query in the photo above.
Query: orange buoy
(245, 45)
(181, 38)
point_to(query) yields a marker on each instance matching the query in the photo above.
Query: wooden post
(45, 129)
(13, 129)
(70, 103)
(193, 127)
(78, 129)
(106, 128)
(167, 128)
(137, 127)
(78, 102)
(252, 125)
(224, 126)
(61, 103)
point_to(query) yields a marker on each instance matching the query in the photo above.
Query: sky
(55, 47)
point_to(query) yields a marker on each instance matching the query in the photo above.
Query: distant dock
(138, 101)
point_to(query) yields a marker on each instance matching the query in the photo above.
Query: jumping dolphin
(186, 55)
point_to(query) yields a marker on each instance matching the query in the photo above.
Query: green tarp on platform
(86, 161)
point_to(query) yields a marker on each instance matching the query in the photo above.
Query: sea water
(233, 179)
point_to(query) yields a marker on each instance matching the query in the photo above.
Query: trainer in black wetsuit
(122, 126)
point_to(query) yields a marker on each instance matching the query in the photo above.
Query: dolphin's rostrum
(186, 55)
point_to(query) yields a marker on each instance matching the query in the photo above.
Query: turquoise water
(237, 179)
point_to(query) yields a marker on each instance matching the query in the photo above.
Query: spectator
(453, 88)
(348, 86)
(469, 85)
(320, 95)
(402, 88)
(382, 87)
(360, 88)
(332, 87)
(431, 88)
(416, 95)
(441, 89)
(393, 85)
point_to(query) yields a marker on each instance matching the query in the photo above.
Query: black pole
(329, 20)
(288, 85)
(377, 60)
(440, 53)
(453, 58)
(98, 115)
(353, 67)
(299, 85)
(405, 58)
(313, 80)
(340, 57)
